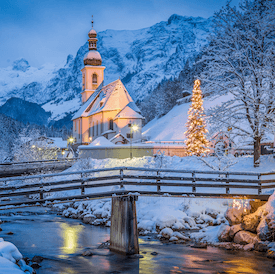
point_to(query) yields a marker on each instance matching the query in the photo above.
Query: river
(61, 242)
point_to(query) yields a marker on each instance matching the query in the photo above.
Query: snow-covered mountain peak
(178, 19)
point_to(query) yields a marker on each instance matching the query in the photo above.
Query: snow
(11, 259)
(58, 142)
(60, 110)
(208, 234)
(100, 142)
(11, 80)
(7, 266)
(172, 125)
(128, 112)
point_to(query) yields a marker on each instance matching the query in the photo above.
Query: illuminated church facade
(107, 111)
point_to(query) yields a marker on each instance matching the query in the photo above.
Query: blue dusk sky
(46, 31)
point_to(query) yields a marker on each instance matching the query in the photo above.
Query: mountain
(141, 58)
(25, 112)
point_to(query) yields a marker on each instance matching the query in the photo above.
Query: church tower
(93, 72)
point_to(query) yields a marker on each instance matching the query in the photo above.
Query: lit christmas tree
(196, 142)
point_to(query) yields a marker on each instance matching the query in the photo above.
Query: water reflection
(60, 241)
(239, 266)
(70, 236)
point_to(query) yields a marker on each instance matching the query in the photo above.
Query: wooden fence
(17, 168)
(145, 181)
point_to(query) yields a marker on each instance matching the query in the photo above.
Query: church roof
(128, 112)
(114, 96)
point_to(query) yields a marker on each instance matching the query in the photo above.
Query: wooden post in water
(124, 234)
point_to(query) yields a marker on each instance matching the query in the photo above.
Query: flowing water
(61, 242)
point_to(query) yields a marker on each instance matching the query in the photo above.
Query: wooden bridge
(103, 183)
(15, 169)
(124, 185)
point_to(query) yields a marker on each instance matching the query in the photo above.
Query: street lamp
(70, 140)
(133, 129)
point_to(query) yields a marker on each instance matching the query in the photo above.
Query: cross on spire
(92, 21)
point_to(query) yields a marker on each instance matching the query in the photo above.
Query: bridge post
(121, 178)
(124, 234)
(41, 189)
(260, 185)
(158, 180)
(227, 182)
(82, 184)
(193, 182)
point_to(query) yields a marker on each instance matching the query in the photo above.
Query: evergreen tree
(196, 142)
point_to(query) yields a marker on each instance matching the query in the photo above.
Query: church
(107, 111)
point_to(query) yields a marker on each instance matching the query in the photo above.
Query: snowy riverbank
(181, 219)
(11, 260)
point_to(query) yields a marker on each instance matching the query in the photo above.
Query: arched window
(111, 124)
(83, 81)
(94, 78)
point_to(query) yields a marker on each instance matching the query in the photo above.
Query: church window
(130, 135)
(94, 78)
(111, 124)
(83, 81)
(90, 131)
(79, 129)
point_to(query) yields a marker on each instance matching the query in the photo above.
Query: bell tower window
(83, 81)
(94, 78)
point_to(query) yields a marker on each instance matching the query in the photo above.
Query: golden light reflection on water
(68, 270)
(147, 265)
(241, 266)
(234, 266)
(70, 236)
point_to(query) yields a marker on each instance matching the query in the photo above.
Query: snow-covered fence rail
(122, 180)
(42, 161)
(18, 168)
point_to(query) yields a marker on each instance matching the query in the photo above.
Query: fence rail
(161, 182)
(42, 161)
(18, 168)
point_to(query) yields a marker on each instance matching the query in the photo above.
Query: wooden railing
(42, 161)
(184, 183)
(18, 168)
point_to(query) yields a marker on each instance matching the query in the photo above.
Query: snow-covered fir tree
(196, 142)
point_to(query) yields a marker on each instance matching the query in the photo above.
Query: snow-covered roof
(114, 96)
(58, 142)
(128, 112)
(101, 141)
(117, 135)
(87, 103)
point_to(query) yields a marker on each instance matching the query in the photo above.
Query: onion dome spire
(93, 57)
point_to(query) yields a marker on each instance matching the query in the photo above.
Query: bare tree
(240, 62)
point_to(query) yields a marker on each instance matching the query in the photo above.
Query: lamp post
(70, 142)
(133, 129)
